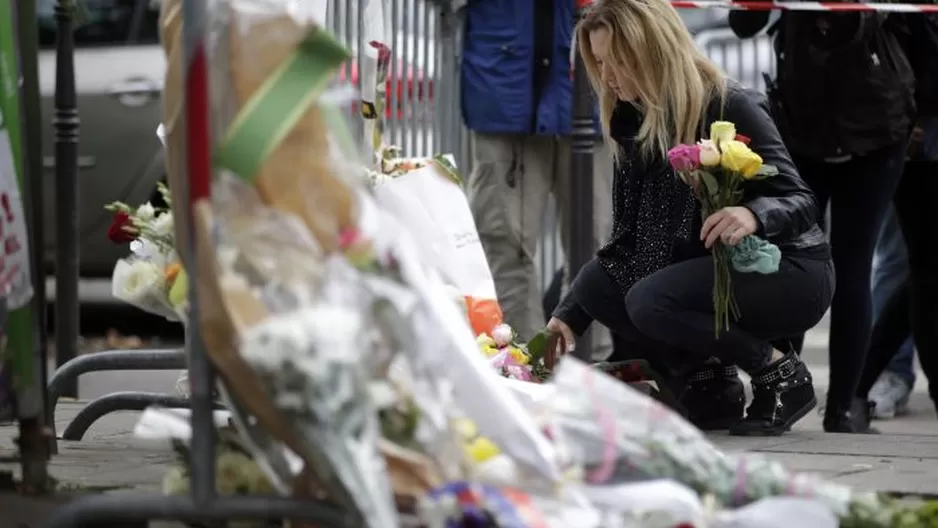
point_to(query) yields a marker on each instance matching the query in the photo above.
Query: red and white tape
(753, 5)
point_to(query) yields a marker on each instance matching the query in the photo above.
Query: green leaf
(537, 346)
(448, 168)
(710, 182)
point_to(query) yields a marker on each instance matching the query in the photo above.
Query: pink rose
(684, 158)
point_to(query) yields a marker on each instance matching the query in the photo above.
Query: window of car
(103, 23)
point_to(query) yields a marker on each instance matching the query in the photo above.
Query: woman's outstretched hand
(729, 225)
(560, 341)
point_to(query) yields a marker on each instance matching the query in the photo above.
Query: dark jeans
(669, 314)
(859, 192)
(918, 297)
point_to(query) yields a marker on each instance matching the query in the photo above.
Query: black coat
(844, 85)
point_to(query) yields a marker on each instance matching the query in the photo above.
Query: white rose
(163, 225)
(709, 153)
(145, 212)
(502, 335)
(140, 283)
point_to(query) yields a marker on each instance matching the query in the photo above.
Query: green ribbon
(278, 105)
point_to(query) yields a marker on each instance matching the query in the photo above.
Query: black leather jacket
(786, 208)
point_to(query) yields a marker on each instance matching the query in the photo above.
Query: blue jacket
(503, 90)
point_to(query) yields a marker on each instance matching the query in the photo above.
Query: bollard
(65, 122)
(581, 184)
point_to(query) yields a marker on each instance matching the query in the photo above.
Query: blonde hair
(673, 81)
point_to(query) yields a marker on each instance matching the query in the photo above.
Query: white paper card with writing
(437, 214)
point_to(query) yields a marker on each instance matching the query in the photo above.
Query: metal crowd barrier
(742, 59)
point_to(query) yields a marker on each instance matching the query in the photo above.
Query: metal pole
(65, 122)
(197, 186)
(581, 184)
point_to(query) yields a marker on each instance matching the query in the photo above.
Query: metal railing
(742, 59)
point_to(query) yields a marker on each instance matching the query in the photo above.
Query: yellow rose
(740, 158)
(489, 351)
(484, 340)
(722, 132)
(709, 153)
(518, 356)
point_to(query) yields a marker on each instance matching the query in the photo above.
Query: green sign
(14, 247)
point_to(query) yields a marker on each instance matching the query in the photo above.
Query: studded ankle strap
(781, 371)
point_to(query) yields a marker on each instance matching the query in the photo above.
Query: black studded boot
(782, 394)
(714, 397)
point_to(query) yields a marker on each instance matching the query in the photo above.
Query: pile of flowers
(152, 277)
(514, 360)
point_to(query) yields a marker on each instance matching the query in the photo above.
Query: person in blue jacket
(517, 101)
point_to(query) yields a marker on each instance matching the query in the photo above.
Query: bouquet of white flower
(152, 278)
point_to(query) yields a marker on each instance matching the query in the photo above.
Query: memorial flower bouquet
(512, 359)
(717, 169)
(152, 277)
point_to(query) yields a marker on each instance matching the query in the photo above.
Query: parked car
(119, 68)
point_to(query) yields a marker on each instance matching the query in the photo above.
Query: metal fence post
(581, 184)
(65, 123)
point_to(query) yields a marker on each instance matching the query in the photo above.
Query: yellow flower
(489, 351)
(722, 132)
(740, 158)
(484, 340)
(465, 428)
(518, 356)
(481, 450)
(709, 153)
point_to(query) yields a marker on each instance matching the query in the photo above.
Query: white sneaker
(890, 393)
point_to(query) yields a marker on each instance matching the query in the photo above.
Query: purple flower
(684, 158)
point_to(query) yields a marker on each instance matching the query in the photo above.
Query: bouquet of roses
(717, 169)
(152, 278)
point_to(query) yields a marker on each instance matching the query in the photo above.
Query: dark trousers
(669, 314)
(914, 307)
(858, 191)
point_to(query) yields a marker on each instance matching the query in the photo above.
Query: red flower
(743, 139)
(122, 230)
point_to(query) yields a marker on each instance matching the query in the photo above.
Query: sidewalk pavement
(903, 459)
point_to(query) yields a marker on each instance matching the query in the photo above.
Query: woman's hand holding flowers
(729, 225)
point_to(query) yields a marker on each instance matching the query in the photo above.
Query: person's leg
(713, 395)
(507, 191)
(859, 200)
(675, 306)
(892, 328)
(890, 392)
(914, 200)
